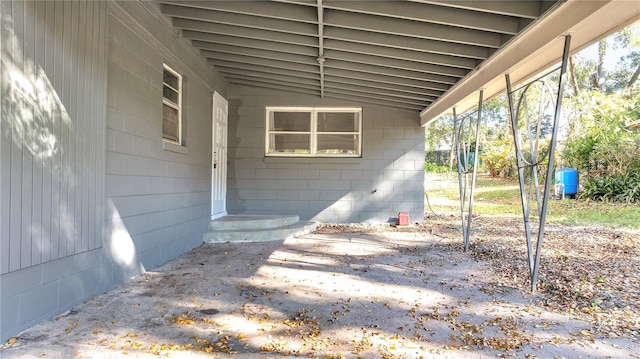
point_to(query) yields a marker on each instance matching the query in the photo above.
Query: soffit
(402, 54)
(537, 49)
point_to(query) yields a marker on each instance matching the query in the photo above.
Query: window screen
(171, 105)
(314, 132)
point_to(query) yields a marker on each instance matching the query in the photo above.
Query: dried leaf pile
(592, 273)
(369, 291)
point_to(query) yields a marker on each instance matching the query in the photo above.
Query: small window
(314, 132)
(171, 106)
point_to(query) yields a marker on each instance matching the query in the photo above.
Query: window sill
(173, 147)
(312, 160)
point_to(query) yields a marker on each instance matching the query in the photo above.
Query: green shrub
(602, 148)
(434, 167)
(499, 157)
(621, 188)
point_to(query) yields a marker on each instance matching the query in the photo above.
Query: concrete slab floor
(346, 295)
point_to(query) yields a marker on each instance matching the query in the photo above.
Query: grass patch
(501, 198)
(589, 213)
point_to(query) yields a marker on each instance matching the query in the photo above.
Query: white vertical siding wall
(53, 128)
(53, 76)
(89, 197)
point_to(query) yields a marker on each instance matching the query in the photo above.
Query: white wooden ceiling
(403, 54)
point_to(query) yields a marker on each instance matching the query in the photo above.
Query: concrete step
(251, 222)
(258, 229)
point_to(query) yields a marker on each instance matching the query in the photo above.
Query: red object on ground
(403, 219)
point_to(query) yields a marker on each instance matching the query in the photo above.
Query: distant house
(128, 125)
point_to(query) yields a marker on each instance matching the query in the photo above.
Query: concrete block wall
(389, 178)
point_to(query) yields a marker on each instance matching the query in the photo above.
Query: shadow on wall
(40, 142)
(31, 108)
(34, 125)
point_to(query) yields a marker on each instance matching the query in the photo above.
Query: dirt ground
(367, 292)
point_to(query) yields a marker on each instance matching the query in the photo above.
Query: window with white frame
(314, 132)
(171, 106)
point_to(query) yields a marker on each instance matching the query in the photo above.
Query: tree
(498, 155)
(600, 77)
(599, 143)
(438, 135)
(602, 148)
(629, 37)
(634, 77)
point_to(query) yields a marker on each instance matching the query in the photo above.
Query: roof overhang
(537, 48)
(425, 56)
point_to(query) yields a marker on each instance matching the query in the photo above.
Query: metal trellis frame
(532, 163)
(463, 131)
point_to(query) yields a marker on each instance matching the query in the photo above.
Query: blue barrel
(569, 179)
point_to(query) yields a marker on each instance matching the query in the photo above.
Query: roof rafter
(259, 48)
(395, 63)
(409, 43)
(386, 25)
(201, 18)
(440, 15)
(211, 33)
(398, 53)
(409, 51)
(270, 9)
(523, 9)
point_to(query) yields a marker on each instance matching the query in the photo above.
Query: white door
(219, 157)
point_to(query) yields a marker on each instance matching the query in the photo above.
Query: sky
(613, 55)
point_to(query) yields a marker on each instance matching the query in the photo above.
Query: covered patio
(345, 292)
(128, 126)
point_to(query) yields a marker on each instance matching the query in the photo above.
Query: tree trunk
(572, 71)
(634, 78)
(601, 76)
(454, 148)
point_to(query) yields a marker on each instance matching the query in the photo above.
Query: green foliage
(622, 188)
(495, 114)
(582, 72)
(499, 157)
(534, 128)
(622, 76)
(602, 148)
(598, 142)
(501, 198)
(439, 133)
(440, 157)
(542, 159)
(436, 168)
